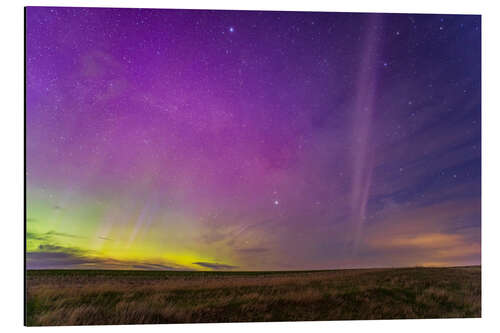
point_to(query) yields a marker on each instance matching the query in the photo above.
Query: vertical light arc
(362, 119)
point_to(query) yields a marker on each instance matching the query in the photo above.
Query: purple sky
(252, 140)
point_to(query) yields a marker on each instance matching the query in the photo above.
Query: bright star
(231, 29)
(276, 202)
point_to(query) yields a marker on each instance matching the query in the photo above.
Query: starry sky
(251, 140)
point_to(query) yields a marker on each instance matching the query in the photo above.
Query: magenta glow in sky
(181, 139)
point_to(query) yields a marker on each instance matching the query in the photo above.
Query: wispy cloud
(36, 236)
(215, 266)
(61, 234)
(49, 235)
(55, 260)
(149, 266)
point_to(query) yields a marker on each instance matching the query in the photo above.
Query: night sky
(247, 140)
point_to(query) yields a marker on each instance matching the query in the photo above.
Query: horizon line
(243, 271)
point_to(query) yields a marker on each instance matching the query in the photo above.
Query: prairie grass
(141, 297)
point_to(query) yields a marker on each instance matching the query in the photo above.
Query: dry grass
(118, 297)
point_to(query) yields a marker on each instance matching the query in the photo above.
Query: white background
(12, 159)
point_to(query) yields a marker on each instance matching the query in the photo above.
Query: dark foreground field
(140, 297)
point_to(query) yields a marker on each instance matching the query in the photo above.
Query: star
(276, 202)
(231, 29)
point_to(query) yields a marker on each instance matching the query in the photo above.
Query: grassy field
(150, 297)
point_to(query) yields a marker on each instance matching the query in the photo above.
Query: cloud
(50, 248)
(49, 234)
(48, 237)
(427, 240)
(63, 249)
(148, 266)
(54, 260)
(35, 236)
(53, 256)
(434, 245)
(215, 266)
(61, 234)
(105, 238)
(425, 235)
